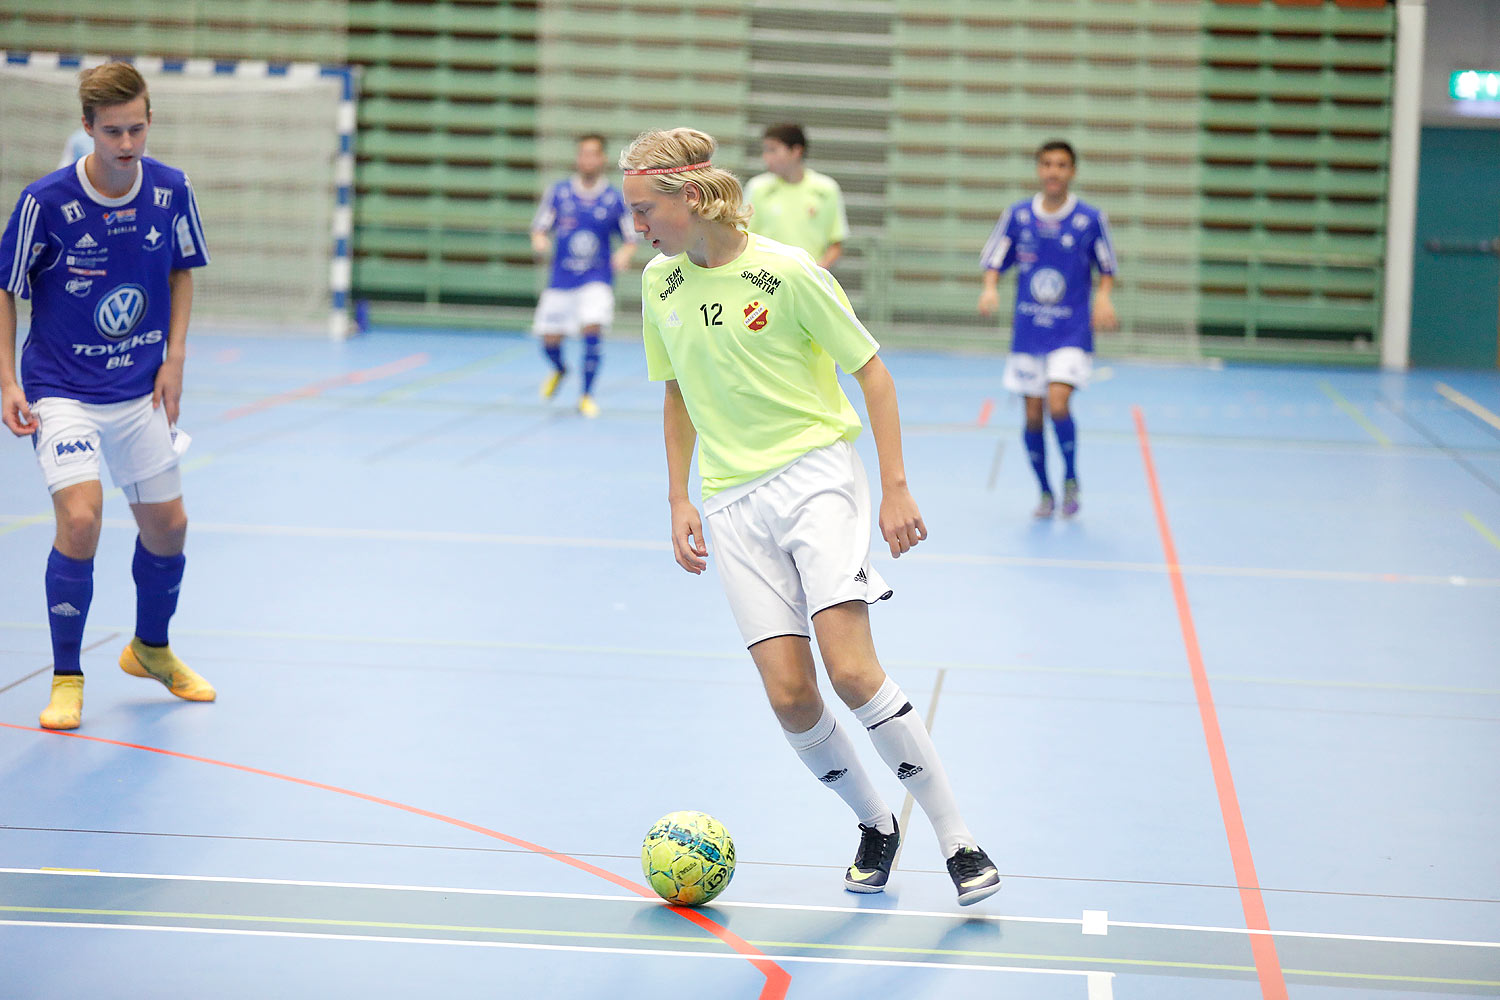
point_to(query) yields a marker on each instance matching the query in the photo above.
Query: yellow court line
(1355, 414)
(678, 938)
(24, 522)
(1457, 398)
(1483, 529)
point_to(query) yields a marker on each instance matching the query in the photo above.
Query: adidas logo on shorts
(833, 776)
(860, 577)
(908, 770)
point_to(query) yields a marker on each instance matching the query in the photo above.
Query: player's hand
(168, 389)
(17, 412)
(989, 301)
(1105, 317)
(900, 522)
(687, 538)
(540, 244)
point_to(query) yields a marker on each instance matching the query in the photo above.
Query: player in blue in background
(1054, 241)
(584, 213)
(103, 248)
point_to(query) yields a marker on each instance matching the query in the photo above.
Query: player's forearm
(885, 420)
(832, 254)
(7, 339)
(991, 279)
(680, 436)
(1106, 284)
(181, 284)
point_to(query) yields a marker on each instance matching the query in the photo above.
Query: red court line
(986, 410)
(1262, 946)
(318, 388)
(778, 980)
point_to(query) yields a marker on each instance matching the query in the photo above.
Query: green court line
(1355, 414)
(1483, 529)
(679, 938)
(452, 375)
(24, 522)
(701, 654)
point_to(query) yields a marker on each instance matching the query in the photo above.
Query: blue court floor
(460, 675)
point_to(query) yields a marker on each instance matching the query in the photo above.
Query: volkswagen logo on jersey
(120, 311)
(1048, 287)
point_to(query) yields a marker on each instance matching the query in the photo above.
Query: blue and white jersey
(96, 270)
(1053, 254)
(583, 223)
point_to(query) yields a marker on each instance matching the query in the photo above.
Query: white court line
(720, 904)
(735, 956)
(644, 545)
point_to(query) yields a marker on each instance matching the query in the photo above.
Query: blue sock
(590, 362)
(1067, 441)
(70, 589)
(554, 354)
(1036, 449)
(157, 581)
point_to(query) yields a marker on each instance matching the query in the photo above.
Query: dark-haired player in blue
(103, 248)
(585, 213)
(1054, 241)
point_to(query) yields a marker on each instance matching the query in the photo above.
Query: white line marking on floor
(1096, 922)
(720, 904)
(1101, 986)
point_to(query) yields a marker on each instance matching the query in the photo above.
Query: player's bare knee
(78, 526)
(795, 700)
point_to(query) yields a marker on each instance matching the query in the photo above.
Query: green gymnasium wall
(1239, 148)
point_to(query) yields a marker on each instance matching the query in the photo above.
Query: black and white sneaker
(872, 865)
(974, 876)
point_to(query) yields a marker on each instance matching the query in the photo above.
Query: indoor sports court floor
(459, 676)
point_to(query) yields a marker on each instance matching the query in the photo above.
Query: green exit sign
(1475, 85)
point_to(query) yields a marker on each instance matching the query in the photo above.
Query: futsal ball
(688, 858)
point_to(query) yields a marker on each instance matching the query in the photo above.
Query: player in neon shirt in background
(746, 333)
(793, 203)
(104, 248)
(584, 213)
(1054, 241)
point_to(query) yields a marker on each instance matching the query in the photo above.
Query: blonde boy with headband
(104, 248)
(746, 333)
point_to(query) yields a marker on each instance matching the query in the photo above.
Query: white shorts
(798, 542)
(133, 439)
(1029, 374)
(569, 311)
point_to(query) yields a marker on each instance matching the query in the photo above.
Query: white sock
(903, 743)
(829, 754)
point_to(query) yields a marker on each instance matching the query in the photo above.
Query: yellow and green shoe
(159, 662)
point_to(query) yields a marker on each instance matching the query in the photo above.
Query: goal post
(269, 148)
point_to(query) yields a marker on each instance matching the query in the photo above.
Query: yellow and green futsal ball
(688, 857)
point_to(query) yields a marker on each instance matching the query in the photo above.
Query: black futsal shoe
(872, 865)
(973, 875)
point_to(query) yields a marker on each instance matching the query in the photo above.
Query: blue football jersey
(1054, 254)
(96, 270)
(583, 224)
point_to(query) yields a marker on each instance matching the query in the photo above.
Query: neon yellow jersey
(808, 214)
(753, 345)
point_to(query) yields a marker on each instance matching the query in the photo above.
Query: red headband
(668, 170)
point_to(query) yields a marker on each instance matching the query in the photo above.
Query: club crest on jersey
(118, 216)
(1048, 286)
(72, 211)
(161, 197)
(120, 312)
(756, 317)
(153, 239)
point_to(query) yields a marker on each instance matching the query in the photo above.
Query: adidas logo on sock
(907, 770)
(860, 577)
(833, 776)
(65, 609)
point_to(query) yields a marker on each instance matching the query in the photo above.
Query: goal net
(268, 154)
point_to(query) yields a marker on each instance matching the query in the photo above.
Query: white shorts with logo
(795, 542)
(1029, 374)
(569, 311)
(133, 439)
